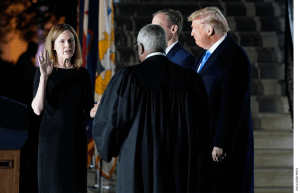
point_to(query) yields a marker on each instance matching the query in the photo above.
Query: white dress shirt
(155, 53)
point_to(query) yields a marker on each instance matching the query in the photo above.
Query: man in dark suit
(153, 115)
(172, 23)
(226, 71)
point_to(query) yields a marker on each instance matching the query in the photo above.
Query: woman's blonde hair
(212, 16)
(55, 31)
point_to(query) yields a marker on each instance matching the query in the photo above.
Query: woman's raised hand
(46, 66)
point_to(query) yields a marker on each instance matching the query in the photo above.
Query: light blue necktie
(207, 54)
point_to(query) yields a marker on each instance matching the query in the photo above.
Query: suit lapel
(197, 63)
(215, 55)
(172, 52)
(209, 62)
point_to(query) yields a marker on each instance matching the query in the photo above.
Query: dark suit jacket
(181, 56)
(226, 75)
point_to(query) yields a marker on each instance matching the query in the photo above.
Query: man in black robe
(155, 117)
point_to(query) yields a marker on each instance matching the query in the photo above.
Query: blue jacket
(181, 56)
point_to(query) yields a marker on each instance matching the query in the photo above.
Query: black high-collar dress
(62, 152)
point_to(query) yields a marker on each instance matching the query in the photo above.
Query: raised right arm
(46, 68)
(38, 101)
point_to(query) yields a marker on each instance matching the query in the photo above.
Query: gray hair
(153, 37)
(174, 17)
(212, 16)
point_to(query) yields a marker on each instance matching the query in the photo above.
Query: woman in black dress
(63, 92)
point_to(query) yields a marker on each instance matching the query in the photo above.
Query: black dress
(62, 156)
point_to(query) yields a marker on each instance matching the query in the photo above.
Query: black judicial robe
(155, 117)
